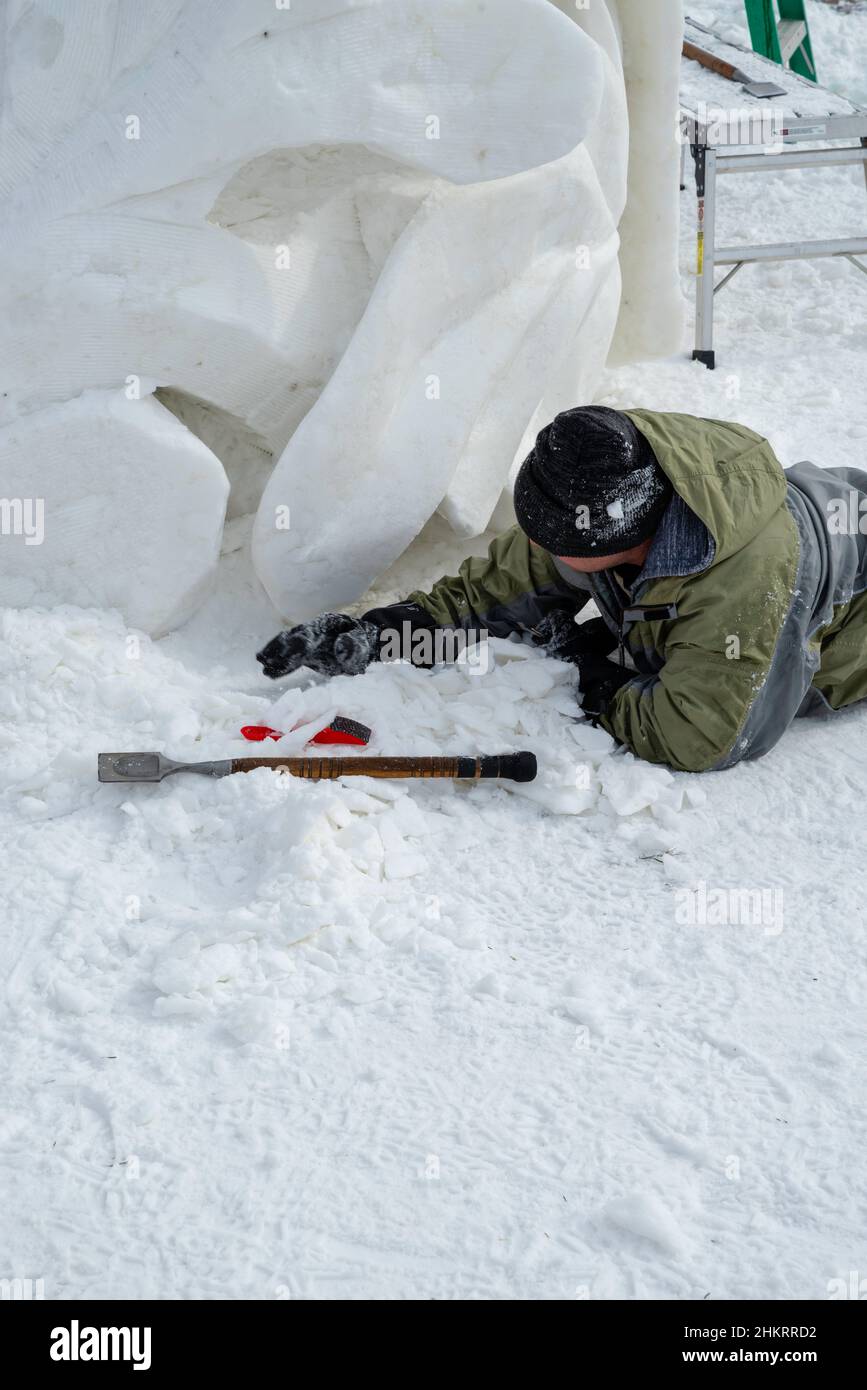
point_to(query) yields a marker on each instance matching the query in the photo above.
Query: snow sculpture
(351, 255)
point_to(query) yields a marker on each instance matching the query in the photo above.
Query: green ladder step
(780, 32)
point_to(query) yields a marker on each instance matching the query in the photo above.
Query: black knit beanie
(591, 485)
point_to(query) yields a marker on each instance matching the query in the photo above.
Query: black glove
(599, 681)
(560, 636)
(331, 644)
(586, 646)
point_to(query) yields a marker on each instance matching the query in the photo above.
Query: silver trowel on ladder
(729, 71)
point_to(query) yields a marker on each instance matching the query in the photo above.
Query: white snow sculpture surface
(146, 544)
(377, 243)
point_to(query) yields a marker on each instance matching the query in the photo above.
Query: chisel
(153, 767)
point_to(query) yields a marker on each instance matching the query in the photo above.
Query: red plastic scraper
(340, 730)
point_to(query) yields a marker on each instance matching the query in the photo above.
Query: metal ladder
(783, 37)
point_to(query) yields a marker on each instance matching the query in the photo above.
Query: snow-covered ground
(269, 1039)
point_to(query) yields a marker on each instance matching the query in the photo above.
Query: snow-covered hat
(591, 485)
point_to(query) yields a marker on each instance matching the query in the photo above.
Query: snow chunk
(259, 1021)
(404, 864)
(631, 785)
(644, 1215)
(73, 999)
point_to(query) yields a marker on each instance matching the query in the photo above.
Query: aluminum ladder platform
(730, 132)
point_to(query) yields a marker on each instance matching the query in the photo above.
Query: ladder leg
(705, 166)
(864, 147)
(683, 162)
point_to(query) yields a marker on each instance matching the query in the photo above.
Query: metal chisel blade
(130, 767)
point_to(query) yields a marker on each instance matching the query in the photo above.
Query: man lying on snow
(737, 591)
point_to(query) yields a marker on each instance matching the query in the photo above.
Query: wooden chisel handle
(518, 767)
(710, 60)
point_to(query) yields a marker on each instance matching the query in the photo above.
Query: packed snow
(273, 1039)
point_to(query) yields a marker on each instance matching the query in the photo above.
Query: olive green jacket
(751, 607)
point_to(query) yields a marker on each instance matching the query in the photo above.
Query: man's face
(584, 565)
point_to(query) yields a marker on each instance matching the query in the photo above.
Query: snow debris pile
(180, 896)
(232, 250)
